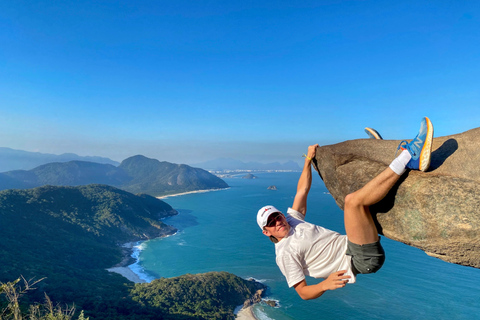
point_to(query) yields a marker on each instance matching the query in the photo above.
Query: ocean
(218, 232)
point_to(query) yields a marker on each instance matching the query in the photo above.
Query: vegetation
(68, 236)
(136, 174)
(11, 309)
(211, 295)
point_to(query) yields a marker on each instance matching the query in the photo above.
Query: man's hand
(336, 280)
(312, 150)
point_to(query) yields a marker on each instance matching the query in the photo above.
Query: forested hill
(136, 174)
(70, 235)
(84, 226)
(159, 178)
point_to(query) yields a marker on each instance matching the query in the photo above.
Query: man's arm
(305, 182)
(334, 281)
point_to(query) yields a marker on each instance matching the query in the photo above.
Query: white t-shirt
(311, 250)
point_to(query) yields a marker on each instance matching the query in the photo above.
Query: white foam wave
(136, 267)
(258, 280)
(260, 315)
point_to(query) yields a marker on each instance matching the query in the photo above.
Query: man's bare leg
(359, 223)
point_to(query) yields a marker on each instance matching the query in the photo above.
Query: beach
(189, 192)
(246, 314)
(122, 268)
(127, 273)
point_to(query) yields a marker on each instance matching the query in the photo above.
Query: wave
(260, 314)
(258, 280)
(136, 267)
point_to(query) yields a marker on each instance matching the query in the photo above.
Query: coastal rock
(272, 188)
(272, 303)
(437, 211)
(257, 296)
(249, 176)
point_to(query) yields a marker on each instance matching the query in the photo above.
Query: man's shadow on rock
(438, 158)
(441, 154)
(386, 204)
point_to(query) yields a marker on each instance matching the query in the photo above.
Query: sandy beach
(127, 273)
(189, 192)
(246, 314)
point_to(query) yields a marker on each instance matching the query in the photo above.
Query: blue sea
(218, 232)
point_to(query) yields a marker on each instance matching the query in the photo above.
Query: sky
(191, 81)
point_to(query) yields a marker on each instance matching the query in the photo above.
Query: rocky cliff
(437, 211)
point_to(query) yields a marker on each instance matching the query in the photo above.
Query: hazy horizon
(187, 82)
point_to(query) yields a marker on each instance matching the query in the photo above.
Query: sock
(399, 163)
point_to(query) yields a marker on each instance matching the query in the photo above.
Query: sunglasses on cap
(272, 220)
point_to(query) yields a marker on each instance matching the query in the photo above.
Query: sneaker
(420, 148)
(373, 134)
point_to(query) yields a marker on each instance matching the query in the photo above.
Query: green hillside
(136, 174)
(70, 235)
(212, 295)
(160, 178)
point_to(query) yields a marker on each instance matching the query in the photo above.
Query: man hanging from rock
(304, 249)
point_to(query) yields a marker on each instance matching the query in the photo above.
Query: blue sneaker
(373, 134)
(420, 148)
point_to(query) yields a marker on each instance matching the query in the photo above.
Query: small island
(272, 188)
(249, 176)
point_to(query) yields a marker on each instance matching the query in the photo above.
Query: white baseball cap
(263, 214)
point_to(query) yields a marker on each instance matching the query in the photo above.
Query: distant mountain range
(137, 174)
(11, 159)
(223, 164)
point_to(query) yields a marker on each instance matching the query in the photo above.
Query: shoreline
(127, 273)
(246, 314)
(122, 268)
(190, 192)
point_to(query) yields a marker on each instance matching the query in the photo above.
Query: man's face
(277, 226)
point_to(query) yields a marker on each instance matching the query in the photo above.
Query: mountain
(136, 174)
(11, 159)
(159, 178)
(223, 164)
(73, 173)
(68, 236)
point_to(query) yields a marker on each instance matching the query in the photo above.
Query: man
(303, 249)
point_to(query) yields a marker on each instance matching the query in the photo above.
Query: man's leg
(359, 223)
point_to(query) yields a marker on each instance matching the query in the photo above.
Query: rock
(249, 176)
(437, 211)
(272, 303)
(272, 188)
(256, 298)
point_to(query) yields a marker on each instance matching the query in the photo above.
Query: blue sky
(189, 81)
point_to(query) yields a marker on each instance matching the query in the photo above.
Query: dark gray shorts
(367, 258)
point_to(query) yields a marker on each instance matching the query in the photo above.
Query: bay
(218, 232)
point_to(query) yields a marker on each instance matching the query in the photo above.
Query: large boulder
(437, 211)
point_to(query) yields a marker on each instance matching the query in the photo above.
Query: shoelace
(400, 146)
